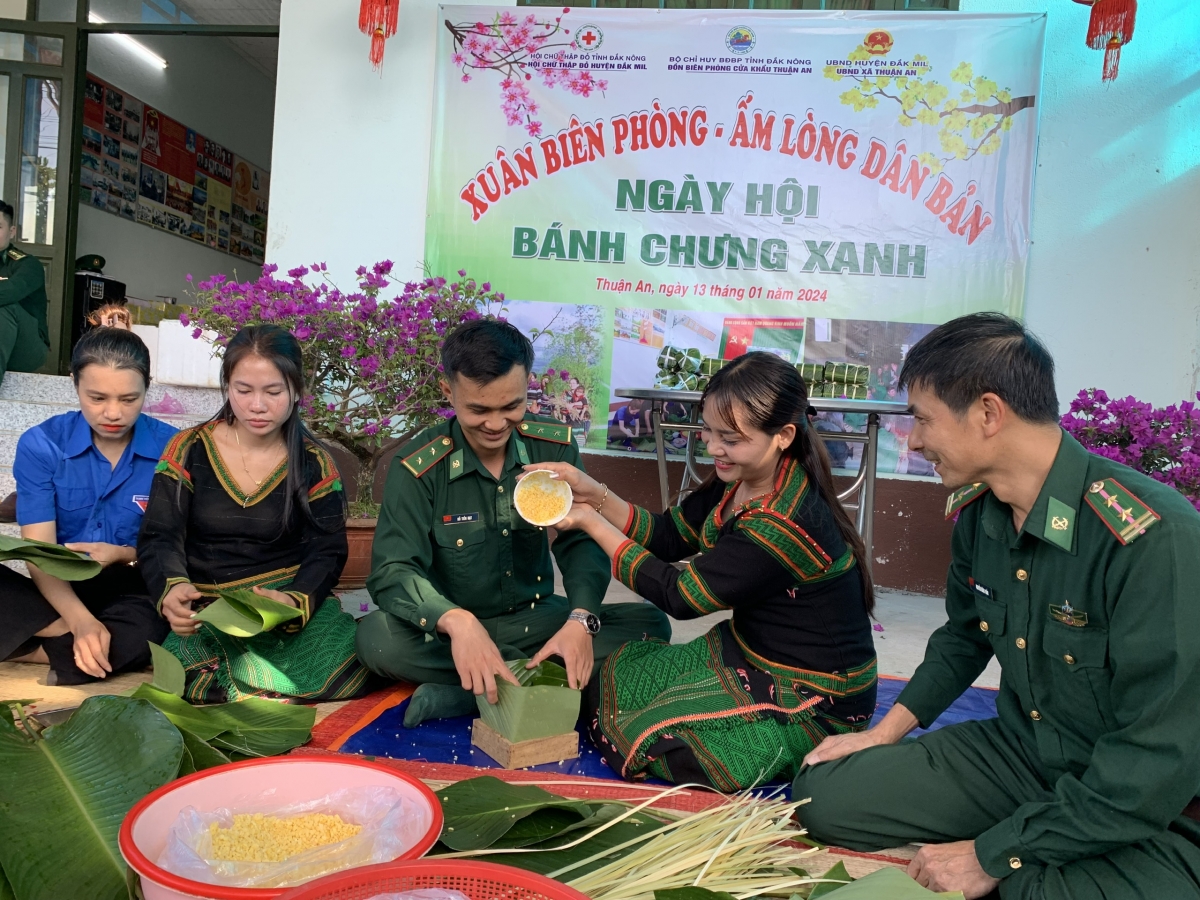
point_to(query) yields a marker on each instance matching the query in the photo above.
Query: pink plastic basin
(295, 779)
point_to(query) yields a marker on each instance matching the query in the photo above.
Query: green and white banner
(826, 186)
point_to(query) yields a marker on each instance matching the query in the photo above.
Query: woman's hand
(277, 596)
(581, 516)
(177, 609)
(583, 487)
(106, 554)
(91, 646)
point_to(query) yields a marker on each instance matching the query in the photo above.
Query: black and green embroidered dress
(745, 702)
(200, 527)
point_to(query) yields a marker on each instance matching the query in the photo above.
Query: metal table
(863, 488)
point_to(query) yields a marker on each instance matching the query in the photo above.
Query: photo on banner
(719, 181)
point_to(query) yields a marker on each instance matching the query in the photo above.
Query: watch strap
(589, 621)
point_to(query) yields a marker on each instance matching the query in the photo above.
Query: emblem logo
(141, 501)
(878, 43)
(740, 39)
(588, 38)
(1058, 523)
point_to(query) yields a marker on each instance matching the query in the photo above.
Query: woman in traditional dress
(251, 500)
(745, 702)
(82, 480)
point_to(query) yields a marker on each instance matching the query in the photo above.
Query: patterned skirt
(713, 712)
(315, 663)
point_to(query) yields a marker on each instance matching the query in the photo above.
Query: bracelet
(602, 499)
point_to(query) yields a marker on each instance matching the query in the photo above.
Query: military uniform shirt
(1092, 613)
(23, 281)
(448, 535)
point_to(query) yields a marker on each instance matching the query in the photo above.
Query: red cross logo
(589, 38)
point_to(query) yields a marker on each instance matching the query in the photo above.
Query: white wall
(349, 175)
(208, 87)
(1114, 283)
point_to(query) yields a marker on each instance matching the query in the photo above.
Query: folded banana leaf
(847, 373)
(710, 365)
(244, 614)
(53, 559)
(885, 884)
(541, 707)
(812, 373)
(64, 792)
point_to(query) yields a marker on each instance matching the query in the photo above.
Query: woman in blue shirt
(83, 480)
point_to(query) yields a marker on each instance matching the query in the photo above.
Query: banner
(824, 186)
(141, 164)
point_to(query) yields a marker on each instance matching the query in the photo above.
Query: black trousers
(117, 597)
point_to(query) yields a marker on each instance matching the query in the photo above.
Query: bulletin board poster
(825, 186)
(141, 164)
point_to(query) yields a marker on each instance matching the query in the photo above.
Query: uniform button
(505, 532)
(539, 578)
(983, 626)
(458, 543)
(1014, 862)
(508, 574)
(1020, 643)
(531, 606)
(1068, 659)
(1022, 575)
(1035, 715)
(537, 596)
(500, 488)
(422, 623)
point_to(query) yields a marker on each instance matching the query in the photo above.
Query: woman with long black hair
(251, 500)
(745, 702)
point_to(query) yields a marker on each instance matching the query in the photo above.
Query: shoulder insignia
(330, 481)
(173, 462)
(432, 453)
(1126, 516)
(547, 431)
(963, 496)
(15, 254)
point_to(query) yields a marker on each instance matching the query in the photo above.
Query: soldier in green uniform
(24, 336)
(461, 580)
(1080, 575)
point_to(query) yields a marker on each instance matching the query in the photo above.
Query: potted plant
(372, 362)
(1162, 443)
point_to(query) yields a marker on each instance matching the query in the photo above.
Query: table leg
(866, 500)
(660, 451)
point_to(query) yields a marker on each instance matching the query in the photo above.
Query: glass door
(37, 116)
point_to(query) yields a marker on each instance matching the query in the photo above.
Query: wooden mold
(534, 752)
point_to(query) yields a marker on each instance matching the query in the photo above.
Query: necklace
(258, 482)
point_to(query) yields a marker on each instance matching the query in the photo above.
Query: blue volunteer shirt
(62, 477)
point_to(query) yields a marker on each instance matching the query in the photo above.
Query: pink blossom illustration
(509, 45)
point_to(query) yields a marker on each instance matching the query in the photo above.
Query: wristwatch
(590, 622)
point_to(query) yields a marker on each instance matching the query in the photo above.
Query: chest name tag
(459, 518)
(981, 589)
(1068, 615)
(141, 501)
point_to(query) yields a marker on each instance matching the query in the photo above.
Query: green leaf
(6, 891)
(53, 559)
(168, 671)
(480, 811)
(691, 893)
(182, 714)
(837, 874)
(199, 755)
(883, 884)
(244, 614)
(63, 796)
(542, 707)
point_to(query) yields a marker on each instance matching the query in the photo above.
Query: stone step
(59, 390)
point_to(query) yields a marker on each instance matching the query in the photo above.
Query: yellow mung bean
(537, 505)
(260, 838)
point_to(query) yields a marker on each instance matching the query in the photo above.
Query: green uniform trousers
(394, 649)
(21, 347)
(955, 783)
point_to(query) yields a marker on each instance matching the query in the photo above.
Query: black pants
(117, 597)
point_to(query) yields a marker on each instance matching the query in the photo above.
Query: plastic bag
(391, 824)
(423, 894)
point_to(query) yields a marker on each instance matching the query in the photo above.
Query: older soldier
(463, 582)
(1080, 576)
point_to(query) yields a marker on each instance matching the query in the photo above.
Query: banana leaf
(837, 874)
(168, 670)
(480, 811)
(64, 792)
(542, 707)
(691, 893)
(6, 891)
(244, 614)
(884, 884)
(53, 559)
(197, 755)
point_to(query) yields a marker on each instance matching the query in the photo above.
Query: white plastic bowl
(295, 779)
(540, 478)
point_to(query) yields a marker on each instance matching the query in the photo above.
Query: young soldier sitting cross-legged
(462, 581)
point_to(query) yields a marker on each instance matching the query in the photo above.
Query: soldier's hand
(952, 867)
(476, 656)
(573, 645)
(584, 487)
(896, 724)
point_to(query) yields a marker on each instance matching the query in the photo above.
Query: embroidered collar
(226, 477)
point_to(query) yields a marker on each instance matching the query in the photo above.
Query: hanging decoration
(1109, 29)
(378, 18)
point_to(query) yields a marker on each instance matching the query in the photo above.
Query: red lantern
(1109, 29)
(378, 18)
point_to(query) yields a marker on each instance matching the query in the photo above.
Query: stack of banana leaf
(839, 381)
(685, 369)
